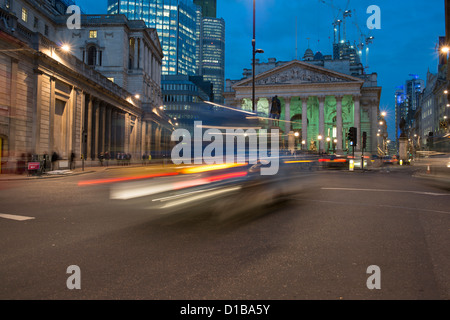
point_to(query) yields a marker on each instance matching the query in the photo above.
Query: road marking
(17, 218)
(370, 205)
(206, 194)
(397, 191)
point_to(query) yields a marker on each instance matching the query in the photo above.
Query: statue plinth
(403, 149)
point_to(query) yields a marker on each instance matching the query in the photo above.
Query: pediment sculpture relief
(298, 75)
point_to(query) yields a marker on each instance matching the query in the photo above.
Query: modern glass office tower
(176, 24)
(212, 56)
(209, 7)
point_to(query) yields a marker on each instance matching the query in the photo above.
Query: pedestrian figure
(101, 158)
(72, 161)
(44, 162)
(54, 160)
(107, 157)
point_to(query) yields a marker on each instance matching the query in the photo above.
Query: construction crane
(364, 40)
(347, 14)
(336, 21)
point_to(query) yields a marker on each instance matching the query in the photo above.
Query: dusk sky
(405, 44)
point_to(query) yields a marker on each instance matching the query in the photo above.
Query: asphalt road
(317, 246)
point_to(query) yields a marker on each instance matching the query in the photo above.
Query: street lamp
(254, 56)
(328, 144)
(65, 48)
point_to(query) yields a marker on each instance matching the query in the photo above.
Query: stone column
(305, 121)
(257, 101)
(147, 59)
(37, 114)
(322, 123)
(357, 120)
(82, 125)
(89, 129)
(97, 129)
(126, 133)
(142, 54)
(136, 53)
(374, 125)
(108, 128)
(154, 69)
(287, 116)
(143, 140)
(114, 120)
(339, 128)
(103, 132)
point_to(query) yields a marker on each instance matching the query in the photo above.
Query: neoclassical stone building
(319, 103)
(101, 94)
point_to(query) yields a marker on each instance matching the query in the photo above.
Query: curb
(46, 176)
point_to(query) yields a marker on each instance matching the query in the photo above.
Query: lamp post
(254, 57)
(328, 144)
(320, 140)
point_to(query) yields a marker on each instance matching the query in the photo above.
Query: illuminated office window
(25, 14)
(93, 34)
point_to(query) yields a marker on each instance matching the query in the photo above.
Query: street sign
(34, 166)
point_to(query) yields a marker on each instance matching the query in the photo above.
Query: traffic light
(364, 140)
(353, 136)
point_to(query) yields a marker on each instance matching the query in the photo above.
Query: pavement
(76, 171)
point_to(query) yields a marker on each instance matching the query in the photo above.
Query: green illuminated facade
(317, 103)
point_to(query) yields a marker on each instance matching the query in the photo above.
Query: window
(46, 30)
(8, 4)
(111, 79)
(36, 22)
(25, 14)
(92, 56)
(93, 34)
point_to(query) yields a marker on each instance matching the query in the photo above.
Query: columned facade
(319, 104)
(53, 101)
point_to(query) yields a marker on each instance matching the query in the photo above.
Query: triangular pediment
(296, 73)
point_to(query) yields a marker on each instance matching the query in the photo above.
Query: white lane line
(371, 205)
(199, 197)
(16, 218)
(396, 191)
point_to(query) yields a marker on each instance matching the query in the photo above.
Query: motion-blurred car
(334, 162)
(434, 169)
(390, 160)
(218, 192)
